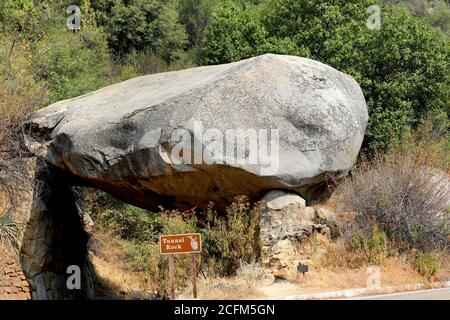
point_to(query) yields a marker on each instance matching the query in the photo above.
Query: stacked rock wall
(13, 284)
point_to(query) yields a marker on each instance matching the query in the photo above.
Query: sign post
(194, 275)
(171, 278)
(178, 244)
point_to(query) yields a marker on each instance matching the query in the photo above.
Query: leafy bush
(440, 17)
(133, 223)
(127, 221)
(404, 196)
(146, 62)
(374, 247)
(195, 16)
(233, 239)
(427, 264)
(71, 64)
(9, 232)
(229, 242)
(235, 33)
(402, 67)
(145, 255)
(146, 25)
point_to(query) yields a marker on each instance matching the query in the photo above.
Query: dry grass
(404, 196)
(389, 188)
(15, 179)
(331, 270)
(332, 267)
(233, 288)
(326, 273)
(114, 276)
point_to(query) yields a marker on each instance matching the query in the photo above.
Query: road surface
(436, 294)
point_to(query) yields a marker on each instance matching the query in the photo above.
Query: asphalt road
(436, 294)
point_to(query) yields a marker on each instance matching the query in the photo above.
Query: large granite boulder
(125, 138)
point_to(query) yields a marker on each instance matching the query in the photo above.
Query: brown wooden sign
(180, 243)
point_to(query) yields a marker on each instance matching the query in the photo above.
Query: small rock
(283, 259)
(277, 200)
(328, 218)
(17, 283)
(8, 270)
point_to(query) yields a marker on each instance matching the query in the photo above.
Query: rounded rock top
(302, 123)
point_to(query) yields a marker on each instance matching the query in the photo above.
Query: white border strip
(351, 293)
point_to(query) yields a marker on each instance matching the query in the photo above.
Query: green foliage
(402, 67)
(9, 232)
(440, 18)
(311, 23)
(71, 64)
(17, 16)
(146, 25)
(229, 241)
(195, 16)
(132, 223)
(427, 264)
(235, 33)
(145, 62)
(374, 247)
(234, 239)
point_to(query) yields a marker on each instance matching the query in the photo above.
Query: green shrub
(427, 264)
(9, 232)
(402, 67)
(374, 247)
(405, 196)
(235, 33)
(195, 16)
(71, 64)
(133, 223)
(440, 17)
(232, 240)
(146, 62)
(146, 25)
(145, 256)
